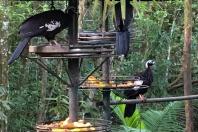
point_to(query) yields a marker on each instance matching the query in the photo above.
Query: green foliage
(132, 122)
(168, 120)
(60, 107)
(4, 104)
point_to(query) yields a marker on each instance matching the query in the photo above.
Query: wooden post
(186, 63)
(106, 94)
(81, 15)
(105, 70)
(73, 64)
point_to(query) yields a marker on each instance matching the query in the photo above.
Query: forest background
(28, 94)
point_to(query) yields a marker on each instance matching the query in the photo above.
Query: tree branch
(49, 70)
(177, 79)
(180, 85)
(93, 71)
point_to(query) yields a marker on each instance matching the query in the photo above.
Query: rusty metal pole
(73, 64)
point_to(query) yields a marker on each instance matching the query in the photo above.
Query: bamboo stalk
(155, 100)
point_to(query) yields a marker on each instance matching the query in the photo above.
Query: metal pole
(73, 64)
(155, 100)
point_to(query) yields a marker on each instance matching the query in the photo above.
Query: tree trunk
(186, 63)
(3, 60)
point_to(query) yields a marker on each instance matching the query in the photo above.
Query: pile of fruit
(67, 126)
(93, 82)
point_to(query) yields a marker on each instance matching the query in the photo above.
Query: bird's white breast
(52, 25)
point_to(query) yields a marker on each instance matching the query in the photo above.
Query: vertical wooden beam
(187, 63)
(105, 69)
(73, 64)
(104, 17)
(81, 15)
(106, 94)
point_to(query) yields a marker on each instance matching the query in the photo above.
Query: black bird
(121, 25)
(46, 24)
(147, 78)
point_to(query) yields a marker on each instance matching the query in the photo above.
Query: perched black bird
(46, 24)
(147, 78)
(121, 25)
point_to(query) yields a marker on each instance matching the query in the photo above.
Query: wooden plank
(93, 46)
(96, 42)
(66, 50)
(89, 50)
(48, 49)
(53, 56)
(90, 34)
(97, 37)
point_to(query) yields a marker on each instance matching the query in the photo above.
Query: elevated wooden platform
(95, 38)
(72, 51)
(90, 44)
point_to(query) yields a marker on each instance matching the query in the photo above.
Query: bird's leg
(142, 98)
(54, 43)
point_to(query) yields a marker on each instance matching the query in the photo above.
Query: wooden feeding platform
(85, 125)
(122, 88)
(77, 51)
(89, 45)
(114, 84)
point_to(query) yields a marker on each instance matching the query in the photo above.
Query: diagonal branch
(44, 66)
(177, 79)
(66, 70)
(93, 71)
(180, 85)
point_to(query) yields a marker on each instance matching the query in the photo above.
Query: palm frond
(170, 119)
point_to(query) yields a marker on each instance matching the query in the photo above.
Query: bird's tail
(122, 43)
(129, 110)
(18, 51)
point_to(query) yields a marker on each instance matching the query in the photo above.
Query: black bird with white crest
(46, 24)
(147, 78)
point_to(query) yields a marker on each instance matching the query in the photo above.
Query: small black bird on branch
(147, 78)
(46, 24)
